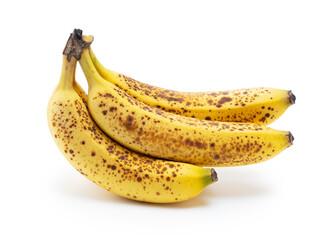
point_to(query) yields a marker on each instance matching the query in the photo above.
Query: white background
(180, 45)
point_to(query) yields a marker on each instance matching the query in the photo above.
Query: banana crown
(151, 144)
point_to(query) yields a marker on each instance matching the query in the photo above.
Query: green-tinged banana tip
(292, 97)
(214, 175)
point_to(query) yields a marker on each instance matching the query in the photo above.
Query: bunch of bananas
(155, 145)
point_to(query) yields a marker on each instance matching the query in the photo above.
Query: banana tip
(214, 175)
(291, 138)
(292, 97)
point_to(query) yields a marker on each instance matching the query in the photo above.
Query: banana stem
(89, 69)
(99, 67)
(67, 73)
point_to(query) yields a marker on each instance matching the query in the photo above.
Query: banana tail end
(291, 138)
(292, 97)
(213, 175)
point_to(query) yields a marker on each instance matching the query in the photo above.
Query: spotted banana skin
(108, 164)
(152, 131)
(252, 105)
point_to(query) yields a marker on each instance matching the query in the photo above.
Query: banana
(161, 134)
(253, 105)
(108, 164)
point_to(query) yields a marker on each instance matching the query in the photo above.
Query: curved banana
(157, 133)
(253, 105)
(110, 165)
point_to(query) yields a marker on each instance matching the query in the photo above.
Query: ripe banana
(158, 133)
(253, 105)
(108, 164)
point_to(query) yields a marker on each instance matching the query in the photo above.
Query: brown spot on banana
(130, 123)
(224, 100)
